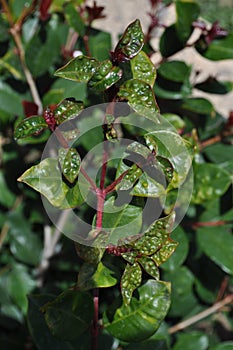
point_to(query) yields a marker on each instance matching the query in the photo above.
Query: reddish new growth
(49, 118)
(210, 34)
(115, 250)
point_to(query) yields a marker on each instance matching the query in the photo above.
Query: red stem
(112, 186)
(95, 326)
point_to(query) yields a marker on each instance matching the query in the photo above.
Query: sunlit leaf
(149, 266)
(70, 163)
(140, 97)
(30, 126)
(79, 69)
(105, 76)
(143, 68)
(67, 109)
(131, 279)
(142, 317)
(130, 43)
(163, 254)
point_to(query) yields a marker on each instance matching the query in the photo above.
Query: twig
(215, 139)
(15, 29)
(190, 321)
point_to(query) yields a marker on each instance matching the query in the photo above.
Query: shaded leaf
(143, 69)
(177, 71)
(218, 49)
(211, 181)
(100, 43)
(70, 163)
(7, 198)
(76, 308)
(214, 86)
(91, 276)
(187, 12)
(141, 318)
(211, 241)
(192, 341)
(30, 126)
(140, 97)
(91, 255)
(74, 19)
(131, 279)
(199, 105)
(223, 346)
(170, 43)
(79, 69)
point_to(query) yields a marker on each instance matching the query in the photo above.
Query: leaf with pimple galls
(30, 126)
(70, 163)
(131, 279)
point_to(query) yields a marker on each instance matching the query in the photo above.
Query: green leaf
(91, 255)
(219, 153)
(169, 145)
(140, 97)
(131, 41)
(181, 252)
(141, 318)
(67, 109)
(214, 86)
(133, 174)
(187, 12)
(74, 19)
(199, 105)
(20, 283)
(30, 126)
(211, 240)
(37, 325)
(170, 43)
(70, 163)
(218, 49)
(192, 341)
(79, 69)
(223, 346)
(131, 279)
(211, 181)
(100, 43)
(25, 245)
(177, 71)
(105, 76)
(10, 102)
(149, 188)
(121, 222)
(149, 266)
(46, 178)
(7, 198)
(143, 69)
(91, 276)
(69, 315)
(164, 252)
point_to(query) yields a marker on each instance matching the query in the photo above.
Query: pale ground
(119, 13)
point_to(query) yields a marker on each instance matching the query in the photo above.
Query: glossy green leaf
(143, 69)
(46, 178)
(140, 97)
(121, 222)
(211, 181)
(105, 76)
(20, 283)
(211, 241)
(187, 12)
(149, 266)
(192, 341)
(74, 19)
(67, 109)
(218, 49)
(214, 86)
(79, 69)
(76, 308)
(170, 43)
(25, 245)
(131, 279)
(169, 145)
(181, 252)
(30, 126)
(37, 325)
(133, 174)
(148, 187)
(131, 41)
(163, 254)
(70, 163)
(141, 318)
(175, 120)
(91, 276)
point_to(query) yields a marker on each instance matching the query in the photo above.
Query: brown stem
(15, 30)
(95, 326)
(86, 44)
(211, 310)
(215, 139)
(209, 223)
